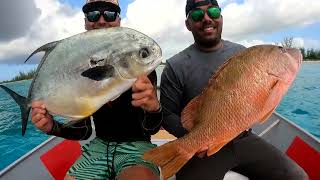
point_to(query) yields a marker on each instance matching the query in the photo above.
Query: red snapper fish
(244, 91)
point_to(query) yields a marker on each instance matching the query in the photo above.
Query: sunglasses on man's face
(94, 16)
(198, 14)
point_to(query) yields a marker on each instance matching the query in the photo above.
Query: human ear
(187, 23)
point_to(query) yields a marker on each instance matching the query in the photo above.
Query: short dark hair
(191, 4)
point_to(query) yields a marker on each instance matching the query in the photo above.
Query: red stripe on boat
(60, 158)
(306, 156)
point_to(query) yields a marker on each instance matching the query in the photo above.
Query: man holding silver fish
(185, 76)
(123, 126)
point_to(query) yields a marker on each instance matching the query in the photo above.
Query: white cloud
(257, 16)
(57, 21)
(306, 43)
(164, 21)
(250, 43)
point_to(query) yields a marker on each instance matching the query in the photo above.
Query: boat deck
(280, 132)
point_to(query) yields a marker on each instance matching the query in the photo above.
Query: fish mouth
(155, 64)
(296, 55)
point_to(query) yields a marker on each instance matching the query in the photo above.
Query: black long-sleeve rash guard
(116, 121)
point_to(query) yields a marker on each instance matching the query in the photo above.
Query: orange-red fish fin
(273, 100)
(190, 113)
(266, 117)
(215, 148)
(168, 157)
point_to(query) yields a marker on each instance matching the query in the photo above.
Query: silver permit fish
(79, 74)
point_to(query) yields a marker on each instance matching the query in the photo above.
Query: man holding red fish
(185, 76)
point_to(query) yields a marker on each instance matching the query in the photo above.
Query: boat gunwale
(25, 156)
(37, 148)
(294, 125)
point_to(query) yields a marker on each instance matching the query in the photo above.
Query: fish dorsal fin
(189, 115)
(47, 48)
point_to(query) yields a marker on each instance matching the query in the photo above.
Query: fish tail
(24, 107)
(169, 157)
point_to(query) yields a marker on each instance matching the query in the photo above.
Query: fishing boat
(52, 158)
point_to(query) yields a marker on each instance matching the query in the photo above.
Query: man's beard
(208, 43)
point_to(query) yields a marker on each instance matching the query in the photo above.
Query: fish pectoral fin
(99, 73)
(215, 148)
(189, 114)
(266, 116)
(274, 75)
(273, 100)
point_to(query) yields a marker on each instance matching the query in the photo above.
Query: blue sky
(79, 3)
(248, 22)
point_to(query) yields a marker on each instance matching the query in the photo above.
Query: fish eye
(144, 53)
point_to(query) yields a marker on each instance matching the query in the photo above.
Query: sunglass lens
(109, 16)
(197, 15)
(93, 16)
(214, 12)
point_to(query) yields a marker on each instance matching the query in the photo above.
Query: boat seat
(230, 175)
(305, 156)
(60, 158)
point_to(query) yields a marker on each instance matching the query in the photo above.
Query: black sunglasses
(94, 16)
(198, 14)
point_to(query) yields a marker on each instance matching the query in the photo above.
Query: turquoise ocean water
(301, 105)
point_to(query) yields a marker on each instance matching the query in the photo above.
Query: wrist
(55, 128)
(157, 110)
